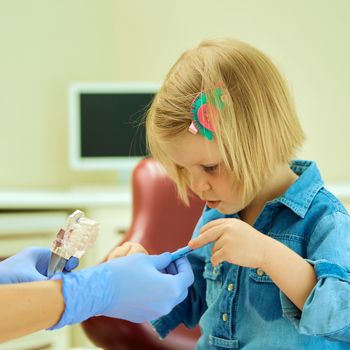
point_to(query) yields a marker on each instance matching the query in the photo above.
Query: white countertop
(64, 198)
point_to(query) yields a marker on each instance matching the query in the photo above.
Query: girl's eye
(210, 169)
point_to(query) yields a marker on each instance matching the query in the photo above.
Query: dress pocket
(214, 281)
(263, 295)
(222, 343)
(259, 276)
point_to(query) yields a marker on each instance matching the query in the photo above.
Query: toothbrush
(180, 253)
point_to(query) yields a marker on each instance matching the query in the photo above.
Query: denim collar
(299, 196)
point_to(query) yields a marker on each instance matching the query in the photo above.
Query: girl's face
(205, 171)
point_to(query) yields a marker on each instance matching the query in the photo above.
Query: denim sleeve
(326, 311)
(192, 308)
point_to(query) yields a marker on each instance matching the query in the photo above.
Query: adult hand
(133, 288)
(29, 265)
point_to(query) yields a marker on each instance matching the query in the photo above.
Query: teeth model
(79, 235)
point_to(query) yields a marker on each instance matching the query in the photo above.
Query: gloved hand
(29, 265)
(133, 288)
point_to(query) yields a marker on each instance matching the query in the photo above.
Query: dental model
(79, 235)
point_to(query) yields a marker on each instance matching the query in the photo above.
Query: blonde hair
(257, 130)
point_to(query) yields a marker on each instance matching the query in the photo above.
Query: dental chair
(160, 222)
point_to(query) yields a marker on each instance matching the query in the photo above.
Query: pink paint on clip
(192, 128)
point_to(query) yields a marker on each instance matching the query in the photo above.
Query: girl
(275, 274)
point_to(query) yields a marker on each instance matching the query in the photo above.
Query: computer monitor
(106, 130)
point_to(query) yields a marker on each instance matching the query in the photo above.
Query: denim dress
(241, 308)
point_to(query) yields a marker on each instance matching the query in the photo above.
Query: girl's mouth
(213, 204)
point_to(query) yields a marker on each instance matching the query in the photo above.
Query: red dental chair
(160, 222)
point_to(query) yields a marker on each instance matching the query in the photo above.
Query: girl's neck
(282, 179)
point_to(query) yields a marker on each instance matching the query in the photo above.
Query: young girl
(275, 274)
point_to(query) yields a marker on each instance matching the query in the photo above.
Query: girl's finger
(137, 248)
(219, 244)
(212, 224)
(210, 235)
(218, 257)
(123, 250)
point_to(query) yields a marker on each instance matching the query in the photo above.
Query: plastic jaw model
(79, 235)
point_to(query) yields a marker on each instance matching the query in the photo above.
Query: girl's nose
(199, 186)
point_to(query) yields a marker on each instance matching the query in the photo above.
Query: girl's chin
(227, 210)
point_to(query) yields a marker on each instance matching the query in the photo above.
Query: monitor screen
(106, 124)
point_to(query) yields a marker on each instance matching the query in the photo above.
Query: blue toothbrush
(180, 253)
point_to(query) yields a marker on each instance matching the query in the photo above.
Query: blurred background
(47, 45)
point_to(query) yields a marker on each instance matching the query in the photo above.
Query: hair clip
(205, 107)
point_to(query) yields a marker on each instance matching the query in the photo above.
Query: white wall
(45, 45)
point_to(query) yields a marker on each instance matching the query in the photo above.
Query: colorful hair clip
(205, 107)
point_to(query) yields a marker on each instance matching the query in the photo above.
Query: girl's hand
(234, 241)
(127, 248)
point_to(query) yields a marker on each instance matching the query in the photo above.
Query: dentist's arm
(133, 288)
(29, 307)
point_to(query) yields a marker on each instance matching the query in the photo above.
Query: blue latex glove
(29, 265)
(133, 288)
